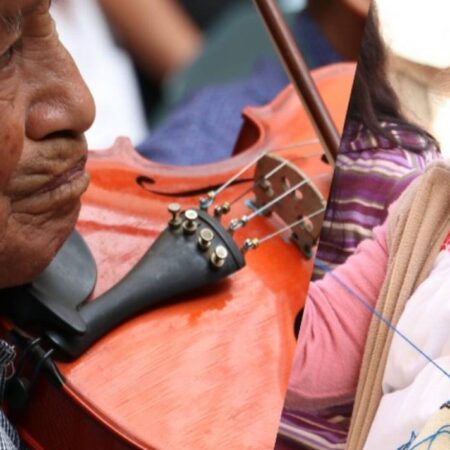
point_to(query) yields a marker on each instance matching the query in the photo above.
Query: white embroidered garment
(413, 387)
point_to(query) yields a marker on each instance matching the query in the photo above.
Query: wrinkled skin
(45, 108)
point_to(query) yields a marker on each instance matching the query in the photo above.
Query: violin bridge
(276, 177)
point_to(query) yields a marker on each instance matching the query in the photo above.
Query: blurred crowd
(145, 59)
(128, 52)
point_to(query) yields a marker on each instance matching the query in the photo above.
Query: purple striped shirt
(370, 174)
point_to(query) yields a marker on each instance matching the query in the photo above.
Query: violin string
(267, 177)
(328, 270)
(444, 430)
(276, 200)
(243, 194)
(298, 145)
(257, 159)
(275, 170)
(258, 181)
(290, 226)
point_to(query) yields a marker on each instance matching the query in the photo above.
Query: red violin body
(208, 370)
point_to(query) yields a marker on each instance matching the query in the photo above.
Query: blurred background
(167, 73)
(140, 58)
(419, 61)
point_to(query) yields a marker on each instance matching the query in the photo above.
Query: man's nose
(60, 103)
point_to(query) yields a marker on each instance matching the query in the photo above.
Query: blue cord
(375, 312)
(445, 429)
(409, 443)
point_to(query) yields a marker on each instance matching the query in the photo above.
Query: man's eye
(7, 56)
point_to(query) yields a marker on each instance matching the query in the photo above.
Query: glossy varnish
(209, 370)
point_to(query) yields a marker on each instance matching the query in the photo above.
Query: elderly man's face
(45, 109)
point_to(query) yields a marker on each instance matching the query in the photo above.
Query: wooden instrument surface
(209, 370)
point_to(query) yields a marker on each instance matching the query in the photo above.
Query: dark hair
(373, 100)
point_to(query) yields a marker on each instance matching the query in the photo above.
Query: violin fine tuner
(190, 221)
(174, 210)
(205, 238)
(219, 256)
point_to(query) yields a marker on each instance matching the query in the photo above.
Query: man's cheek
(26, 248)
(5, 211)
(11, 137)
(29, 243)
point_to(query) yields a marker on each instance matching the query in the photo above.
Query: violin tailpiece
(194, 251)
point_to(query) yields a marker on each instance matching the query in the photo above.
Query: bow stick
(300, 77)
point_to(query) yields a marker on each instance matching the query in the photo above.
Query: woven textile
(9, 438)
(371, 172)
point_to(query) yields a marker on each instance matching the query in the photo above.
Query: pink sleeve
(334, 329)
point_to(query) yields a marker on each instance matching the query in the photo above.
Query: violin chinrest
(54, 296)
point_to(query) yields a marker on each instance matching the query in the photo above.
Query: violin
(173, 322)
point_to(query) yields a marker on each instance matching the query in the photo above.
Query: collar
(357, 137)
